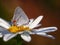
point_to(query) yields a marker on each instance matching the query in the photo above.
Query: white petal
(30, 32)
(8, 36)
(20, 32)
(3, 30)
(37, 25)
(45, 35)
(1, 35)
(26, 37)
(4, 26)
(47, 29)
(31, 20)
(36, 22)
(4, 22)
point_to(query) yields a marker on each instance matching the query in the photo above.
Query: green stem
(19, 40)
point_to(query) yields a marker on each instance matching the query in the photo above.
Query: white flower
(23, 26)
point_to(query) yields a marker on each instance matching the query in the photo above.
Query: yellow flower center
(15, 29)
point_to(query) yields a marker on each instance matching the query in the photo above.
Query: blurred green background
(50, 9)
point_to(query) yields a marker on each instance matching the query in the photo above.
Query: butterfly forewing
(20, 17)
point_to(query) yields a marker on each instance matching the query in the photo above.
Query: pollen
(15, 29)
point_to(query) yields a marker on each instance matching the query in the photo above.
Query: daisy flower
(21, 24)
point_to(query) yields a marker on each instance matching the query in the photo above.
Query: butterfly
(21, 24)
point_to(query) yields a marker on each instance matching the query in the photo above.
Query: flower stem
(19, 40)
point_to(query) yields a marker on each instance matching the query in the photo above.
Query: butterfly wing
(20, 17)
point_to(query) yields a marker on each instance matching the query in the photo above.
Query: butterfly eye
(14, 21)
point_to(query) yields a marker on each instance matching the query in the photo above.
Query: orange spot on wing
(14, 21)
